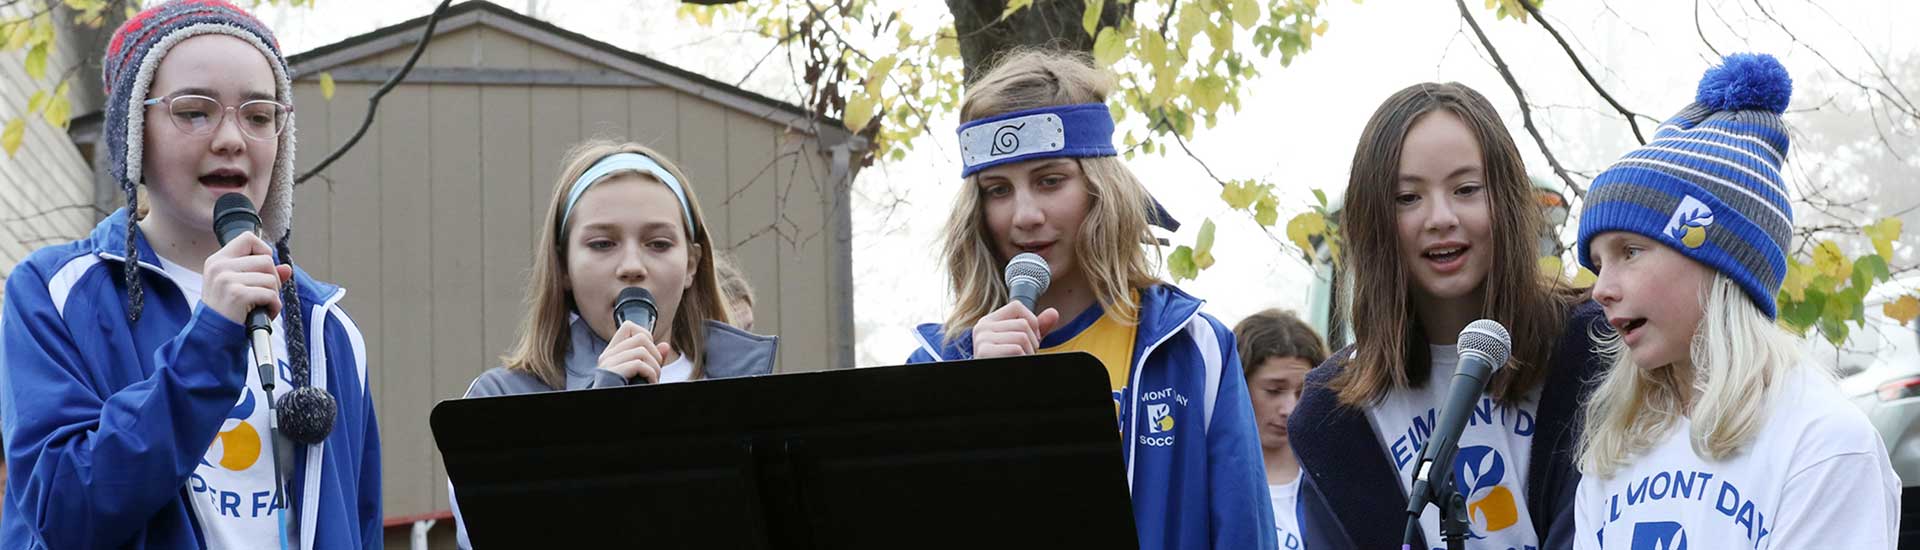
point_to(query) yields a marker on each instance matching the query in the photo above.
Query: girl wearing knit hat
(1710, 431)
(1442, 229)
(134, 416)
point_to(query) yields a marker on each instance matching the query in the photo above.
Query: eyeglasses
(199, 116)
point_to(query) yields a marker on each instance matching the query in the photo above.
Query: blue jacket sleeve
(373, 524)
(1242, 512)
(90, 464)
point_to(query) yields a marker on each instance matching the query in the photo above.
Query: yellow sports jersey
(1097, 333)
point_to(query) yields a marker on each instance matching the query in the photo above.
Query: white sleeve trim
(1209, 346)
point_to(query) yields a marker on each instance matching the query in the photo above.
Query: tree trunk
(1045, 24)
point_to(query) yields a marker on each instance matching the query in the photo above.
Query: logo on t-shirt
(1659, 535)
(1478, 472)
(237, 446)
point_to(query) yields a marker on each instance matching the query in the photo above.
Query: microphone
(233, 215)
(635, 304)
(1484, 346)
(1027, 278)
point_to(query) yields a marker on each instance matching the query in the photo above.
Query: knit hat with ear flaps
(1708, 185)
(133, 56)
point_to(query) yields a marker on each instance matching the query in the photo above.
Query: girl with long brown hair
(622, 216)
(1442, 228)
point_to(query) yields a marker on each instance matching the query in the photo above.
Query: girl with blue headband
(1711, 430)
(1041, 176)
(622, 216)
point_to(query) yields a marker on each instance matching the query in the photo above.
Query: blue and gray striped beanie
(1709, 184)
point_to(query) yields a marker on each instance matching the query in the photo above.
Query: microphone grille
(1029, 266)
(1489, 338)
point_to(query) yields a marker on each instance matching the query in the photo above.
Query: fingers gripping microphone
(1027, 278)
(1484, 346)
(233, 215)
(635, 304)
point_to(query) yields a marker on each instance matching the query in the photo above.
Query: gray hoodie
(730, 353)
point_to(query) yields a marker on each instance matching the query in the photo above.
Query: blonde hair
(1109, 246)
(545, 334)
(1739, 357)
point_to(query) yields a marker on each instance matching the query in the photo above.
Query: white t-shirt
(1285, 517)
(680, 370)
(1816, 475)
(232, 489)
(1490, 469)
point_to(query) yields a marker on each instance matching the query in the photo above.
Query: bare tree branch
(1629, 115)
(1526, 112)
(1907, 108)
(1697, 31)
(373, 101)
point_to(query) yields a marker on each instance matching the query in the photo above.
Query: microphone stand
(1452, 505)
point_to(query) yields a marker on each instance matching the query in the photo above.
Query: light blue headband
(622, 162)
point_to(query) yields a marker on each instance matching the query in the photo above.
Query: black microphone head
(306, 415)
(233, 214)
(1031, 268)
(1489, 339)
(635, 304)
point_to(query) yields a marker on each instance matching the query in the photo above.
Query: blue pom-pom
(1746, 81)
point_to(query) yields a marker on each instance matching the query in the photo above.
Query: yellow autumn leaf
(1883, 233)
(1552, 268)
(1241, 194)
(1091, 19)
(1303, 226)
(1203, 246)
(59, 111)
(860, 110)
(1799, 276)
(1903, 310)
(1014, 6)
(16, 132)
(326, 85)
(1827, 260)
(946, 44)
(1266, 210)
(877, 74)
(1584, 278)
(37, 62)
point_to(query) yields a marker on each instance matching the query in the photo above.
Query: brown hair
(1276, 333)
(1109, 244)
(732, 282)
(545, 334)
(1390, 349)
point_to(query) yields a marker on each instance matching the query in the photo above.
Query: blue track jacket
(1204, 485)
(105, 420)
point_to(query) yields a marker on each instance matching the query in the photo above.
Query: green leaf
(1883, 234)
(877, 74)
(326, 85)
(1240, 195)
(860, 110)
(1320, 196)
(1803, 313)
(1246, 13)
(38, 101)
(1091, 21)
(37, 61)
(1203, 246)
(1835, 331)
(1180, 264)
(59, 111)
(1266, 211)
(16, 132)
(1868, 269)
(1108, 47)
(946, 44)
(1013, 6)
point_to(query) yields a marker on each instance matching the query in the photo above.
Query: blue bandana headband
(1075, 131)
(624, 162)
